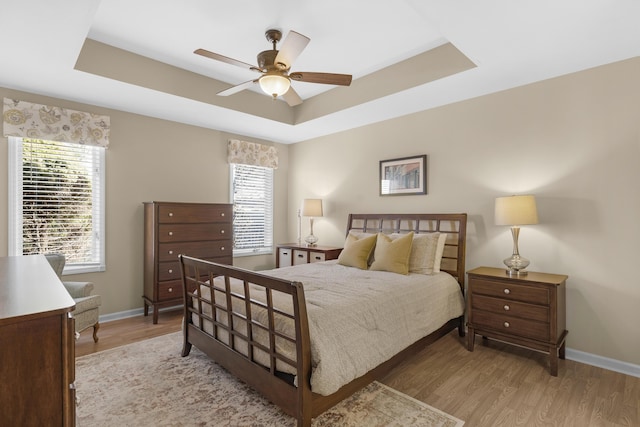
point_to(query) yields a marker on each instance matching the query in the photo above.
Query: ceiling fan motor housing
(266, 59)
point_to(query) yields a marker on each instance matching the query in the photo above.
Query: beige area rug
(149, 384)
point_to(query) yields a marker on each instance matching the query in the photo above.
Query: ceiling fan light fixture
(274, 84)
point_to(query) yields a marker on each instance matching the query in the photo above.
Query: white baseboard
(603, 362)
(571, 354)
(131, 313)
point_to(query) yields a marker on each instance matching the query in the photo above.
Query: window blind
(58, 202)
(252, 198)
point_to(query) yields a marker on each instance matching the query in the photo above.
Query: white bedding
(358, 319)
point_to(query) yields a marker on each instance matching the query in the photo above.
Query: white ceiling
(511, 43)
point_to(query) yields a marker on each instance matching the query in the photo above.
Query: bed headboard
(454, 225)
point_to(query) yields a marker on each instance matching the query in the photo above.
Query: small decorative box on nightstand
(525, 310)
(289, 254)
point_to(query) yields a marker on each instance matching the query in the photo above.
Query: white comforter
(358, 319)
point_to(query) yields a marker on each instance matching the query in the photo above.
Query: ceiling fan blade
(237, 88)
(226, 59)
(325, 78)
(291, 97)
(290, 48)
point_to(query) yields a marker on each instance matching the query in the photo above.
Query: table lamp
(516, 211)
(311, 208)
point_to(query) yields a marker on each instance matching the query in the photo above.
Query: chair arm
(78, 289)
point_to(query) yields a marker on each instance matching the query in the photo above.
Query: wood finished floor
(495, 385)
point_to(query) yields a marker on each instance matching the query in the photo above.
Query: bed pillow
(439, 252)
(357, 251)
(392, 254)
(426, 252)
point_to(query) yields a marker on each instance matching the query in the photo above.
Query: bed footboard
(231, 315)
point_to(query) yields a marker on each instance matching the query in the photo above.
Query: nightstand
(289, 254)
(524, 310)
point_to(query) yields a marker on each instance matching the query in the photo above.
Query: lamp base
(516, 265)
(311, 240)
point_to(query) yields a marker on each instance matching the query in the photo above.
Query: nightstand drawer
(538, 313)
(511, 291)
(316, 257)
(511, 325)
(284, 257)
(296, 254)
(299, 257)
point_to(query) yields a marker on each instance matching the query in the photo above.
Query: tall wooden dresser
(37, 346)
(200, 230)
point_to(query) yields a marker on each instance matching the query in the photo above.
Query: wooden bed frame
(235, 348)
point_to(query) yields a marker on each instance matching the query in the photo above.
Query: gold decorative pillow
(357, 251)
(392, 254)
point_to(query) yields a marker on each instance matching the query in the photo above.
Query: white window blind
(56, 201)
(252, 198)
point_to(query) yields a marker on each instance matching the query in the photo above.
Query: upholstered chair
(86, 312)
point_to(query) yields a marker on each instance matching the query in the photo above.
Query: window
(252, 198)
(56, 201)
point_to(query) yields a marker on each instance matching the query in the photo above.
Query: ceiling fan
(274, 66)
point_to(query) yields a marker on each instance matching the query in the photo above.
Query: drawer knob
(222, 248)
(300, 256)
(171, 233)
(221, 231)
(170, 252)
(222, 214)
(170, 271)
(506, 324)
(507, 291)
(170, 213)
(507, 308)
(170, 289)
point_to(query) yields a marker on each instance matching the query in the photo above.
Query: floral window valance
(254, 154)
(37, 121)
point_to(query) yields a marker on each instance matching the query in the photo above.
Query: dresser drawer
(193, 232)
(171, 214)
(170, 290)
(539, 313)
(169, 270)
(510, 291)
(214, 248)
(510, 325)
(300, 257)
(316, 257)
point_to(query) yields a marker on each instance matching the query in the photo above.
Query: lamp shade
(274, 84)
(516, 210)
(312, 207)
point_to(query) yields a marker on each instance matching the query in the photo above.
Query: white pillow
(426, 252)
(439, 252)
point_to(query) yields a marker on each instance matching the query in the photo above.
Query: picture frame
(404, 176)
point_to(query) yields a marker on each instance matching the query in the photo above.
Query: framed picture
(405, 176)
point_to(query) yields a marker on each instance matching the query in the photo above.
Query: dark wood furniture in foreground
(299, 401)
(37, 361)
(201, 230)
(289, 254)
(525, 310)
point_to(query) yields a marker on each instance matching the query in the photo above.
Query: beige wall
(150, 159)
(573, 141)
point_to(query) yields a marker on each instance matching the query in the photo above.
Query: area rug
(148, 383)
